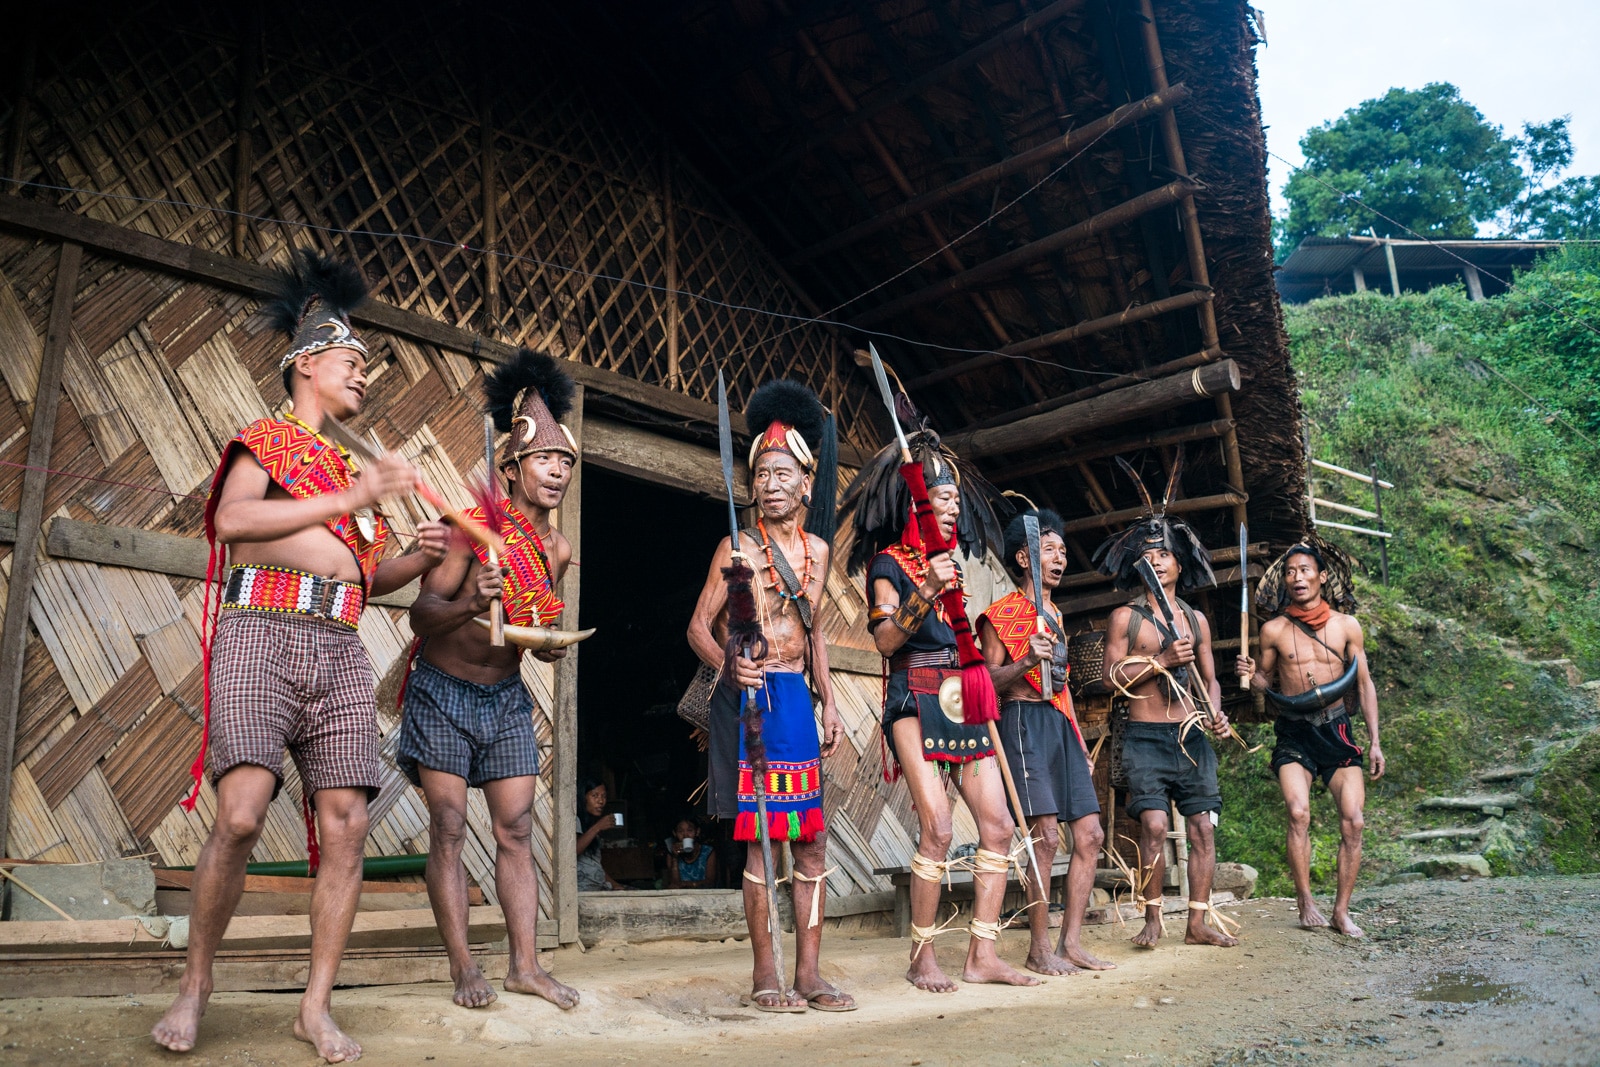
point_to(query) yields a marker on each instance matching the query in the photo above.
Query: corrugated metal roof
(1321, 265)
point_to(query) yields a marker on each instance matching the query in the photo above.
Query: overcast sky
(1513, 61)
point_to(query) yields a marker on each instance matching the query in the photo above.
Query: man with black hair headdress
(284, 667)
(1313, 649)
(912, 632)
(792, 478)
(1165, 671)
(467, 717)
(1049, 761)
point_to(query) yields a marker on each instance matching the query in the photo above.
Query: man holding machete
(466, 716)
(1022, 639)
(1158, 655)
(792, 475)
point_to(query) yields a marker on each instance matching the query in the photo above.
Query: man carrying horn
(1049, 761)
(1162, 663)
(467, 717)
(284, 667)
(912, 632)
(1313, 650)
(792, 475)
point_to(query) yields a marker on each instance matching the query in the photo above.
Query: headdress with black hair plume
(786, 416)
(1016, 535)
(312, 302)
(527, 396)
(1118, 554)
(879, 504)
(1272, 594)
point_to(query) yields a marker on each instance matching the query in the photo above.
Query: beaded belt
(903, 661)
(295, 592)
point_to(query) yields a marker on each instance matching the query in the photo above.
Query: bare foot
(319, 1030)
(177, 1029)
(1199, 933)
(991, 968)
(1043, 961)
(473, 989)
(1310, 917)
(1151, 933)
(1343, 925)
(541, 983)
(1075, 955)
(924, 973)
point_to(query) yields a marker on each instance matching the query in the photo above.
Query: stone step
(1507, 774)
(1448, 832)
(1488, 803)
(1451, 865)
(1562, 668)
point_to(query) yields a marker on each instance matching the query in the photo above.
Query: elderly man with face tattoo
(793, 486)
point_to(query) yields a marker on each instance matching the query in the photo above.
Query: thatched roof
(819, 121)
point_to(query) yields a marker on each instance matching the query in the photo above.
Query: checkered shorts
(282, 681)
(476, 732)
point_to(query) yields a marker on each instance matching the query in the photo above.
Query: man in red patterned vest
(1049, 761)
(467, 718)
(284, 666)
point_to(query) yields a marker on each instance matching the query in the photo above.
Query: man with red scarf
(1311, 645)
(467, 718)
(284, 666)
(1048, 759)
(792, 478)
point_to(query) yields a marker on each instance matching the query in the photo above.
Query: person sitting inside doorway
(691, 861)
(593, 820)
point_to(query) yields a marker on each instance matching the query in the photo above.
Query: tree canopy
(1426, 162)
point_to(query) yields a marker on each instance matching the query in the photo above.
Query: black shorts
(1322, 750)
(1163, 769)
(1047, 762)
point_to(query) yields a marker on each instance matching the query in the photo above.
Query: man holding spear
(911, 504)
(756, 622)
(1165, 670)
(1026, 649)
(466, 717)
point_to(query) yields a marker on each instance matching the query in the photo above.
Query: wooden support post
(1182, 434)
(1033, 251)
(1394, 272)
(1107, 410)
(244, 121)
(491, 210)
(25, 556)
(1359, 276)
(1137, 313)
(670, 255)
(1469, 274)
(27, 42)
(1199, 274)
(566, 695)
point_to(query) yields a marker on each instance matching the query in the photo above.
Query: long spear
(497, 608)
(1244, 598)
(746, 641)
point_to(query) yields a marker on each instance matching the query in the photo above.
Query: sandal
(846, 1001)
(754, 1001)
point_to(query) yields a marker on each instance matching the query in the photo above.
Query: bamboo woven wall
(160, 371)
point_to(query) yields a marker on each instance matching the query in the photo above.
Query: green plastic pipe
(372, 865)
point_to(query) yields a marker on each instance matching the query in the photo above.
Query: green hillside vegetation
(1484, 415)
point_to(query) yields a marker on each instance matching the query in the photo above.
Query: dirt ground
(1483, 972)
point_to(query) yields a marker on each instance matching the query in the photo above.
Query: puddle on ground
(1465, 987)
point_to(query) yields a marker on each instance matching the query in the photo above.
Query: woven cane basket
(1086, 652)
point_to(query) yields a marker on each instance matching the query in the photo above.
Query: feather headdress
(312, 302)
(879, 504)
(786, 416)
(1118, 554)
(527, 396)
(1272, 594)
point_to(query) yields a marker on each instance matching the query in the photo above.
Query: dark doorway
(646, 550)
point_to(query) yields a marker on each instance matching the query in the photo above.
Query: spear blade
(888, 401)
(725, 447)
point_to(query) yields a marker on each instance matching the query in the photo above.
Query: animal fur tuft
(527, 369)
(311, 274)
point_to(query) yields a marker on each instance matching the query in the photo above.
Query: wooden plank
(376, 929)
(167, 878)
(616, 446)
(157, 973)
(151, 550)
(25, 558)
(854, 660)
(180, 901)
(565, 905)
